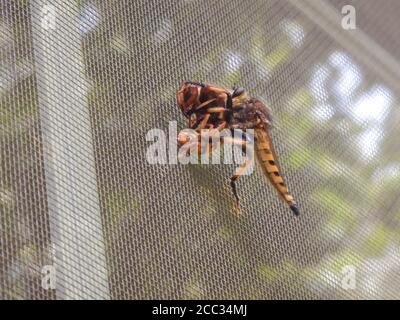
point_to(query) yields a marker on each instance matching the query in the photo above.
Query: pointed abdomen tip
(295, 209)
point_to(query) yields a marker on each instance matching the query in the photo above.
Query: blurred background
(82, 82)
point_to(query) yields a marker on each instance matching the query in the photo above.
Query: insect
(214, 108)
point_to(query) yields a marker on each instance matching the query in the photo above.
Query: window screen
(84, 215)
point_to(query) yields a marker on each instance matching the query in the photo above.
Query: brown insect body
(252, 113)
(198, 99)
(267, 158)
(239, 112)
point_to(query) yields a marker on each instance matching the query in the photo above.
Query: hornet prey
(214, 109)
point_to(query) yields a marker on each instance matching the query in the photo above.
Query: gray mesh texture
(81, 84)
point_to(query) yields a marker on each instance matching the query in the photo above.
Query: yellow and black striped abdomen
(266, 155)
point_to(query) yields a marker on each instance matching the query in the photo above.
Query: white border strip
(71, 186)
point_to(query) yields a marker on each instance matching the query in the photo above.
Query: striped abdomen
(267, 158)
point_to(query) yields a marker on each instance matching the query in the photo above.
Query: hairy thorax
(250, 114)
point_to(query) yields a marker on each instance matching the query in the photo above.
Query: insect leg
(216, 110)
(222, 106)
(205, 103)
(238, 173)
(243, 167)
(203, 122)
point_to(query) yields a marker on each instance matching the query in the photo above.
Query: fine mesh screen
(82, 83)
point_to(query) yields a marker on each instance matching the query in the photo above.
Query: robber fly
(211, 107)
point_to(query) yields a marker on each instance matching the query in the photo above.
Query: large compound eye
(237, 92)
